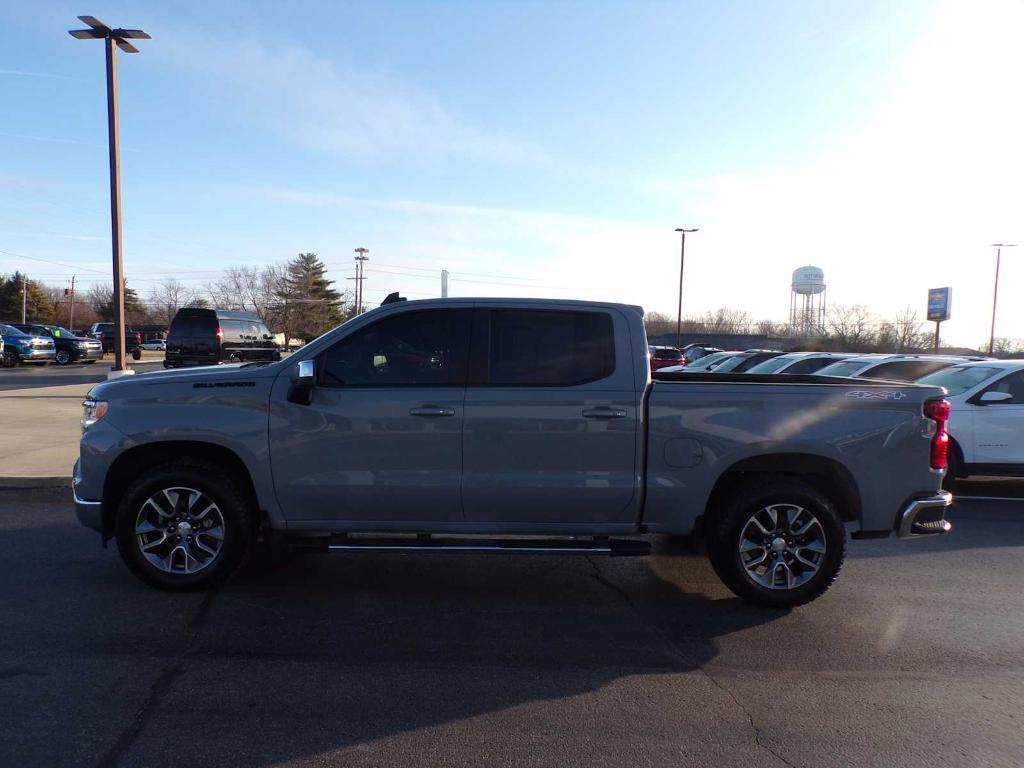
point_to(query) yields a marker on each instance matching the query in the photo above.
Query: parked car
(741, 361)
(104, 332)
(986, 420)
(893, 367)
(68, 347)
(527, 425)
(154, 345)
(21, 347)
(694, 352)
(793, 363)
(214, 336)
(662, 357)
(703, 364)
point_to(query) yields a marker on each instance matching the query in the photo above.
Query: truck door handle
(604, 412)
(431, 412)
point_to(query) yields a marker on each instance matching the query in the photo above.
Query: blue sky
(533, 148)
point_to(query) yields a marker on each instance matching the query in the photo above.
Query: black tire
(9, 359)
(726, 524)
(64, 357)
(136, 354)
(218, 486)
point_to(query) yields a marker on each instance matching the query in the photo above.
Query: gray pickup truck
(501, 425)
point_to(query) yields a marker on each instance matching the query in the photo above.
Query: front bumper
(37, 353)
(89, 353)
(89, 513)
(925, 516)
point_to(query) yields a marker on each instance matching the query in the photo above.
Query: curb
(22, 483)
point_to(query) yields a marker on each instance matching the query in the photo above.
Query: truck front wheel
(776, 543)
(184, 526)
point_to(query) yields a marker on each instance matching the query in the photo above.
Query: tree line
(294, 298)
(847, 328)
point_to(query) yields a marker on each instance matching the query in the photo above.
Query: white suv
(986, 423)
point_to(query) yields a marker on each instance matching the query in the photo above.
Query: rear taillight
(138, 338)
(220, 334)
(938, 411)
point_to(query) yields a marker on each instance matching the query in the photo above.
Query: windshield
(960, 378)
(709, 361)
(771, 366)
(730, 364)
(846, 368)
(667, 354)
(9, 330)
(58, 332)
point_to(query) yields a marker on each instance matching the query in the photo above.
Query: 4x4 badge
(867, 394)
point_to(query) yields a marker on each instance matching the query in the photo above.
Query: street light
(111, 37)
(995, 293)
(682, 259)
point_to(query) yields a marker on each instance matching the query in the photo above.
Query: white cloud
(312, 102)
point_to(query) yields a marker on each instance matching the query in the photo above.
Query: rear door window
(555, 348)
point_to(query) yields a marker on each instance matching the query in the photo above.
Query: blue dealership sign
(938, 303)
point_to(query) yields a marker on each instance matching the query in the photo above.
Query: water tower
(807, 302)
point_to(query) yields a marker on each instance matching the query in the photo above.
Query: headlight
(92, 411)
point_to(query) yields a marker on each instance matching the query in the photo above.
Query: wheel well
(828, 476)
(132, 462)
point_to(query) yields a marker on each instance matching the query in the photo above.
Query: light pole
(682, 260)
(111, 37)
(995, 293)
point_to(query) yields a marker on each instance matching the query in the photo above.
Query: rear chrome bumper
(925, 516)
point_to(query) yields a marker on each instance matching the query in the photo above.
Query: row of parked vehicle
(986, 396)
(197, 336)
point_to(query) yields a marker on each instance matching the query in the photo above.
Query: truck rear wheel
(184, 526)
(779, 543)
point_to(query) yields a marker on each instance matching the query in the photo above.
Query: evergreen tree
(102, 299)
(38, 304)
(308, 303)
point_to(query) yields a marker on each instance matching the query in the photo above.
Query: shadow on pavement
(326, 652)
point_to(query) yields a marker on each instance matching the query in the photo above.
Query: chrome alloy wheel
(180, 530)
(782, 546)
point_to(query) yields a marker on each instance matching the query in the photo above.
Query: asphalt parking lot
(30, 376)
(915, 658)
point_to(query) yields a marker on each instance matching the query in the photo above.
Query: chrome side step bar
(427, 543)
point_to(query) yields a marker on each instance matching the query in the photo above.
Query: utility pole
(682, 261)
(444, 283)
(995, 293)
(361, 257)
(71, 312)
(24, 296)
(111, 37)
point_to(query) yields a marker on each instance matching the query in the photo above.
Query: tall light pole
(995, 293)
(111, 37)
(361, 258)
(682, 261)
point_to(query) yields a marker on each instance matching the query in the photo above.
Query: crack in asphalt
(674, 651)
(160, 686)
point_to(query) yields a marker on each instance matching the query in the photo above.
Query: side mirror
(994, 397)
(301, 391)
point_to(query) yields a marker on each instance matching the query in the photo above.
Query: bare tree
(167, 297)
(251, 289)
(659, 323)
(851, 327)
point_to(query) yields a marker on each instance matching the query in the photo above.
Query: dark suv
(69, 347)
(213, 336)
(105, 333)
